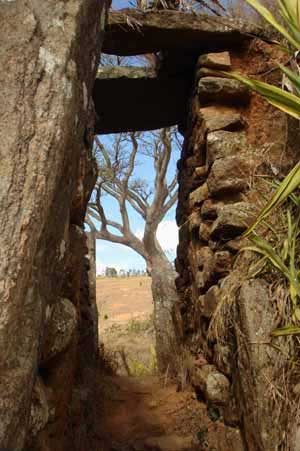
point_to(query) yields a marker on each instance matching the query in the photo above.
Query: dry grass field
(125, 322)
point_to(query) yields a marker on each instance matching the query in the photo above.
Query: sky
(120, 256)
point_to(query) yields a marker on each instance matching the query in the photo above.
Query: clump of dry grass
(274, 256)
(136, 368)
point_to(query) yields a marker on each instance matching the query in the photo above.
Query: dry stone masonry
(232, 138)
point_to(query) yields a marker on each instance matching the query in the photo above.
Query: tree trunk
(164, 298)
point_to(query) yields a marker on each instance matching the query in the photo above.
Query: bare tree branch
(117, 168)
(169, 204)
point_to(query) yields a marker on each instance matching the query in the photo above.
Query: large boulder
(50, 52)
(254, 321)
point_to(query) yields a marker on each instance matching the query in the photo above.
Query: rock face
(256, 320)
(59, 330)
(50, 51)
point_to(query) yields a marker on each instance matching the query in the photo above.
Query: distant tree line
(112, 272)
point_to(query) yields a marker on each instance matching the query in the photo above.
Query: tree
(111, 272)
(117, 179)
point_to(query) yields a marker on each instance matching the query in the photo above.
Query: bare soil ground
(145, 413)
(125, 322)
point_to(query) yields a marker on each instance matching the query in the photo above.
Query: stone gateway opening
(222, 384)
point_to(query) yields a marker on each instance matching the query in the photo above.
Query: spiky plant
(284, 258)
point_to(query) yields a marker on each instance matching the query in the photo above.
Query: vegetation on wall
(282, 250)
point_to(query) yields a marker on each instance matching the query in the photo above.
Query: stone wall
(233, 142)
(50, 53)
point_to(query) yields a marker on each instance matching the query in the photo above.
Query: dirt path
(142, 414)
(145, 413)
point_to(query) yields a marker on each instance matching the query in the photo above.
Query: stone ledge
(134, 32)
(222, 90)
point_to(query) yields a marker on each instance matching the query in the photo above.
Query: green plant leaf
(285, 101)
(296, 314)
(295, 79)
(286, 187)
(268, 16)
(262, 247)
(286, 330)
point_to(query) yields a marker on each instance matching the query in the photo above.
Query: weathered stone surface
(213, 384)
(194, 221)
(210, 301)
(229, 175)
(171, 442)
(201, 171)
(204, 231)
(222, 90)
(223, 261)
(193, 162)
(217, 388)
(255, 364)
(205, 264)
(121, 93)
(222, 118)
(222, 357)
(134, 32)
(39, 411)
(218, 61)
(125, 73)
(60, 329)
(205, 72)
(233, 438)
(222, 144)
(232, 220)
(198, 196)
(210, 208)
(51, 51)
(296, 438)
(237, 244)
